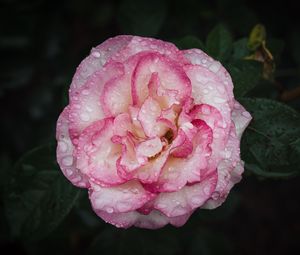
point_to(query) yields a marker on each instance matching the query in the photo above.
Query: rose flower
(153, 132)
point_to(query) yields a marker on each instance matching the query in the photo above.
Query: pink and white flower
(152, 131)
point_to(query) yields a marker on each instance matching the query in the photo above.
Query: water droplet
(173, 174)
(144, 175)
(206, 109)
(216, 135)
(69, 172)
(221, 89)
(205, 91)
(85, 92)
(206, 190)
(161, 206)
(84, 117)
(203, 60)
(109, 210)
(215, 67)
(199, 78)
(215, 195)
(196, 200)
(179, 210)
(77, 106)
(89, 109)
(67, 161)
(124, 206)
(76, 179)
(219, 100)
(96, 54)
(62, 146)
(135, 191)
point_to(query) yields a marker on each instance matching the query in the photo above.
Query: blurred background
(41, 44)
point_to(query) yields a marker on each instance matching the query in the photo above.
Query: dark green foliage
(38, 195)
(270, 145)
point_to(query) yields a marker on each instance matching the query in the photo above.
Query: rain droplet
(109, 210)
(161, 206)
(67, 161)
(124, 206)
(215, 195)
(69, 172)
(205, 91)
(85, 92)
(76, 179)
(206, 109)
(215, 67)
(206, 190)
(89, 109)
(84, 117)
(77, 106)
(219, 100)
(196, 200)
(96, 54)
(221, 89)
(62, 146)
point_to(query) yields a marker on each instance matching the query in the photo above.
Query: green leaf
(240, 49)
(141, 17)
(39, 196)
(190, 42)
(271, 144)
(245, 75)
(219, 43)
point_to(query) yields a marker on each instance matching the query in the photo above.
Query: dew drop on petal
(96, 54)
(109, 210)
(84, 117)
(196, 200)
(124, 206)
(215, 67)
(62, 146)
(85, 92)
(215, 195)
(67, 161)
(206, 190)
(219, 100)
(205, 91)
(69, 172)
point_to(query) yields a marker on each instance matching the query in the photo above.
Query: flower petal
(184, 201)
(148, 116)
(85, 107)
(200, 58)
(229, 170)
(241, 118)
(174, 83)
(177, 172)
(154, 220)
(97, 154)
(98, 58)
(206, 89)
(64, 152)
(122, 198)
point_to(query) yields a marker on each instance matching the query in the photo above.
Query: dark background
(41, 44)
